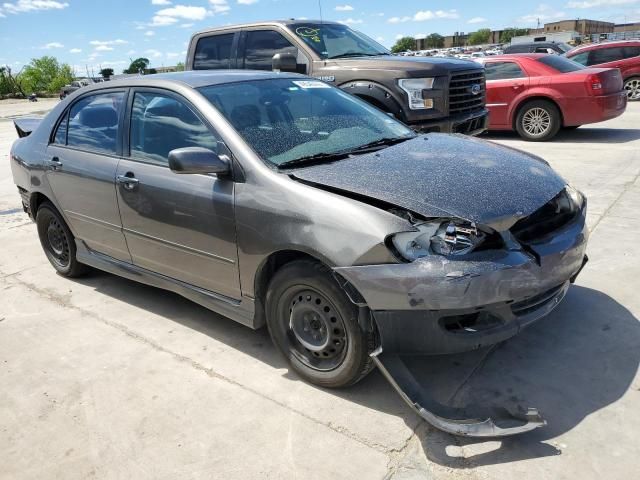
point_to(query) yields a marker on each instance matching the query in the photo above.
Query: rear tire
(632, 86)
(315, 326)
(58, 242)
(538, 121)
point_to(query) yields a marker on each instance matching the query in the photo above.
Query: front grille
(469, 126)
(534, 303)
(553, 215)
(461, 98)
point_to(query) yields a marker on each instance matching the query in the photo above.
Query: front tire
(58, 242)
(632, 86)
(315, 326)
(538, 121)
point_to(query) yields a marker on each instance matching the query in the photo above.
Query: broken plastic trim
(448, 419)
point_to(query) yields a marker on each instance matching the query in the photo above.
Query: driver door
(181, 226)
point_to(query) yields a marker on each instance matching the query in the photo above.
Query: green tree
(45, 74)
(180, 67)
(480, 37)
(403, 44)
(106, 72)
(434, 40)
(508, 33)
(138, 65)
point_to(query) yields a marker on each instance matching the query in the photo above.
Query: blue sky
(105, 33)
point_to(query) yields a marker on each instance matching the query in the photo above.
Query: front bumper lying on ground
(438, 305)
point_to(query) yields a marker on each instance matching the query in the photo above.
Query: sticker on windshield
(310, 84)
(308, 32)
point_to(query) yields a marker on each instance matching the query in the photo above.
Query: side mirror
(198, 160)
(284, 62)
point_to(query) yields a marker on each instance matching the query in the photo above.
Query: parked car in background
(624, 55)
(538, 47)
(426, 93)
(72, 87)
(537, 94)
(277, 199)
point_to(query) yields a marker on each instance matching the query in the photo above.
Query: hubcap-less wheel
(317, 335)
(536, 121)
(58, 243)
(632, 86)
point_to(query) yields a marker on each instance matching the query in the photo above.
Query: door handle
(517, 86)
(56, 164)
(128, 181)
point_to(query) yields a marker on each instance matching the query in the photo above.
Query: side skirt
(242, 311)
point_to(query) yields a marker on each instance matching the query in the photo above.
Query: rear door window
(262, 45)
(605, 55)
(93, 122)
(161, 123)
(630, 52)
(502, 70)
(214, 53)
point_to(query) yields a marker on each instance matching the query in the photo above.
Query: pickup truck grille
(461, 97)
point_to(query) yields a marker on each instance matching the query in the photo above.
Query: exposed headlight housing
(439, 237)
(414, 88)
(575, 197)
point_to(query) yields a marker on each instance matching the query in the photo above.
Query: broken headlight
(440, 237)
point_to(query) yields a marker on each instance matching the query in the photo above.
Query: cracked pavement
(102, 377)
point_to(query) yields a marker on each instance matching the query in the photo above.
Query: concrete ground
(104, 378)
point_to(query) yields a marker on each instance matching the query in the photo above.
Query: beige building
(584, 27)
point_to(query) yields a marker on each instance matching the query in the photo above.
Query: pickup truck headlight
(414, 88)
(440, 237)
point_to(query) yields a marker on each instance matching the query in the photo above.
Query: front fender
(379, 94)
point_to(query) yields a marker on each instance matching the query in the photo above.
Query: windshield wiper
(383, 142)
(317, 158)
(356, 54)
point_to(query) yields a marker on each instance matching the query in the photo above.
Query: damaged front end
(463, 286)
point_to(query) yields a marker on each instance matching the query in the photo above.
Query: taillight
(594, 84)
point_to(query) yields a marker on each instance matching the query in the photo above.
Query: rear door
(181, 226)
(608, 57)
(82, 161)
(213, 52)
(505, 81)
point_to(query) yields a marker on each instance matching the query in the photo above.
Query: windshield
(284, 120)
(330, 40)
(561, 64)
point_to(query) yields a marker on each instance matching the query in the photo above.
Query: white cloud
(172, 55)
(117, 41)
(247, 2)
(399, 36)
(420, 36)
(344, 8)
(219, 6)
(162, 21)
(160, 2)
(103, 48)
(186, 25)
(149, 33)
(187, 12)
(153, 53)
(380, 39)
(75, 50)
(425, 15)
(350, 21)
(51, 45)
(599, 3)
(33, 5)
(477, 20)
(131, 52)
(544, 13)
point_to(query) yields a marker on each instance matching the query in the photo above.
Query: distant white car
(477, 55)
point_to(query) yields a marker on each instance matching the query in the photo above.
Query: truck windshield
(297, 120)
(331, 40)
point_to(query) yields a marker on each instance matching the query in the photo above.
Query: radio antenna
(320, 8)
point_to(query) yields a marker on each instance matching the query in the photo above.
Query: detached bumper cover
(473, 123)
(439, 305)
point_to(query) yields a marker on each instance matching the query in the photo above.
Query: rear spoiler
(26, 125)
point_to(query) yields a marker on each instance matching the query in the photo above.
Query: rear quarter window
(606, 55)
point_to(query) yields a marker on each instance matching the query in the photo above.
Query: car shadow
(581, 358)
(584, 134)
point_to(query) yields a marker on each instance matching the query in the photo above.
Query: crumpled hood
(439, 175)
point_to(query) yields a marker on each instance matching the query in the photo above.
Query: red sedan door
(506, 80)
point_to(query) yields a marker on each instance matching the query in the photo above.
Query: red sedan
(537, 94)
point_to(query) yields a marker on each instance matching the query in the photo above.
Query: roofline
(266, 23)
(606, 42)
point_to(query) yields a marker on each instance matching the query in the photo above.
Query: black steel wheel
(58, 242)
(315, 326)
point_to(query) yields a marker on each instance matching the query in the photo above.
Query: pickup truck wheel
(632, 86)
(58, 242)
(538, 121)
(315, 326)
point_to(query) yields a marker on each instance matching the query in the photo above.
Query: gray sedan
(277, 199)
